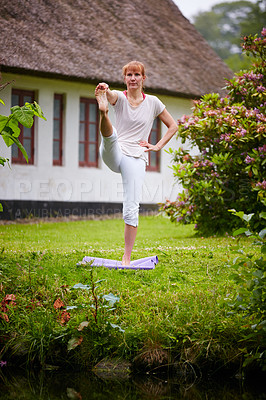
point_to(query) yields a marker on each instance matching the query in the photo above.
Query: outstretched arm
(110, 94)
(169, 121)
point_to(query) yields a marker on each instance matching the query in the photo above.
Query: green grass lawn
(179, 310)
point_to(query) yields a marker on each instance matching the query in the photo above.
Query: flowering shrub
(229, 133)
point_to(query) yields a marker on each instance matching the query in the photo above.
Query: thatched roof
(92, 39)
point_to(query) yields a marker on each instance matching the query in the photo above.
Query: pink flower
(261, 185)
(261, 89)
(249, 160)
(186, 157)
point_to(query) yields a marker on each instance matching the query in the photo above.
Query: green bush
(228, 136)
(249, 273)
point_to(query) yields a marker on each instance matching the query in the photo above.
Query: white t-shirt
(134, 124)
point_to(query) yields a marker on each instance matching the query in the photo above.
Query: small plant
(99, 306)
(9, 126)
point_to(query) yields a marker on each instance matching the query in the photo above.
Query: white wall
(43, 181)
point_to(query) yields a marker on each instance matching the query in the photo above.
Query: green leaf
(74, 342)
(262, 233)
(24, 115)
(118, 327)
(21, 148)
(254, 170)
(13, 125)
(239, 231)
(83, 325)
(3, 122)
(258, 273)
(81, 286)
(9, 137)
(247, 217)
(4, 160)
(101, 280)
(111, 299)
(263, 249)
(262, 214)
(2, 102)
(36, 109)
(239, 214)
(39, 110)
(1, 207)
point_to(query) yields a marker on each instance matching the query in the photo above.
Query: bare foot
(125, 261)
(100, 94)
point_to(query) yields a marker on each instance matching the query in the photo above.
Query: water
(82, 386)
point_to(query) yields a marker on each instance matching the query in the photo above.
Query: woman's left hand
(149, 146)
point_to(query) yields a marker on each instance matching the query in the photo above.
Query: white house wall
(70, 182)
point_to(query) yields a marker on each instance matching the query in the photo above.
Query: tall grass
(176, 314)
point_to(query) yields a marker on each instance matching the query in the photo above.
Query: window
(88, 133)
(154, 157)
(58, 130)
(19, 98)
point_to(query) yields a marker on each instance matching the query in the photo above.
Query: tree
(230, 134)
(225, 25)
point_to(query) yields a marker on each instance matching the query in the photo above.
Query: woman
(124, 148)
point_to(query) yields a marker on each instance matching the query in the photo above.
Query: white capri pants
(132, 170)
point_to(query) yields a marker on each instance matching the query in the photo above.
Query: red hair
(134, 65)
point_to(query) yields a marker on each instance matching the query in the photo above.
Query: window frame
(86, 141)
(21, 93)
(58, 162)
(157, 130)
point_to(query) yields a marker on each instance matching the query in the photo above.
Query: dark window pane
(88, 133)
(14, 150)
(93, 133)
(56, 129)
(27, 99)
(15, 100)
(82, 111)
(153, 137)
(152, 159)
(56, 150)
(81, 152)
(27, 133)
(82, 132)
(57, 108)
(92, 153)
(93, 112)
(27, 145)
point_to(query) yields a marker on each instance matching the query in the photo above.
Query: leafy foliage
(9, 126)
(251, 270)
(228, 135)
(250, 276)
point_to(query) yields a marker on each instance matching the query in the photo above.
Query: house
(55, 52)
